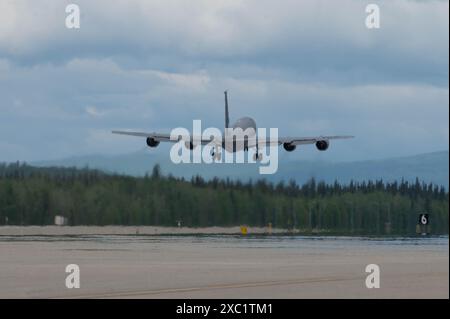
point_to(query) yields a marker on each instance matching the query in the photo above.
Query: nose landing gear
(216, 154)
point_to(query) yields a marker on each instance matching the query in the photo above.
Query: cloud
(92, 110)
(307, 67)
(314, 39)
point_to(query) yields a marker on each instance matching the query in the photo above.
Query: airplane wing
(294, 141)
(287, 141)
(310, 140)
(164, 137)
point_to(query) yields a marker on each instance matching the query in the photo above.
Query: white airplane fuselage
(245, 125)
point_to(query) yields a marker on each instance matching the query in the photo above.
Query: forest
(34, 196)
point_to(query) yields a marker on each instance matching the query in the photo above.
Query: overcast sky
(306, 67)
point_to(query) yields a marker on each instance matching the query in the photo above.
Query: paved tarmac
(226, 266)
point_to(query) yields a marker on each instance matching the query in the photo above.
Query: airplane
(236, 144)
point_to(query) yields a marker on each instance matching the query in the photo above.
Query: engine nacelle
(322, 145)
(289, 147)
(151, 142)
(190, 145)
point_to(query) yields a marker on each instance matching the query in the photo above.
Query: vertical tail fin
(227, 118)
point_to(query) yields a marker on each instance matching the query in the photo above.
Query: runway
(224, 266)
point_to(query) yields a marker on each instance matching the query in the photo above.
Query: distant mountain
(429, 167)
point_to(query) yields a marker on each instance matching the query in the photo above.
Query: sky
(306, 67)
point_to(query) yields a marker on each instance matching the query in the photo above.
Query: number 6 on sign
(423, 219)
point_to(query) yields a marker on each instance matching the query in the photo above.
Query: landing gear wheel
(257, 157)
(216, 154)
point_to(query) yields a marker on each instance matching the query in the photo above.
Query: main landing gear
(216, 154)
(257, 157)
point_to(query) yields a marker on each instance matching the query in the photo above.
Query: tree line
(33, 196)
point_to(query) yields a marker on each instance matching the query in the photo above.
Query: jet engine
(190, 145)
(151, 142)
(322, 145)
(289, 147)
